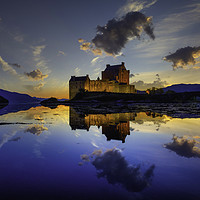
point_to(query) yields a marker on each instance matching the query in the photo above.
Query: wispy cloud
(179, 20)
(6, 67)
(18, 37)
(36, 75)
(6, 137)
(77, 71)
(61, 53)
(94, 61)
(134, 6)
(170, 38)
(41, 62)
(38, 49)
(96, 73)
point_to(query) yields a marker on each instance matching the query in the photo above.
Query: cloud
(131, 75)
(36, 75)
(15, 65)
(134, 6)
(183, 57)
(158, 83)
(14, 139)
(6, 67)
(85, 157)
(184, 147)
(61, 53)
(77, 71)
(5, 137)
(113, 166)
(38, 87)
(41, 62)
(178, 22)
(81, 40)
(36, 129)
(95, 60)
(19, 38)
(38, 49)
(34, 87)
(89, 47)
(112, 37)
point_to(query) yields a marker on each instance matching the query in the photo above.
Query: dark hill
(15, 98)
(183, 88)
(3, 102)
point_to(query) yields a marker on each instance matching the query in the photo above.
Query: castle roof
(115, 68)
(79, 78)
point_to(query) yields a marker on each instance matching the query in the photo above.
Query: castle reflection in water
(115, 126)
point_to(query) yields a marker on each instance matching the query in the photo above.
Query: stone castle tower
(115, 78)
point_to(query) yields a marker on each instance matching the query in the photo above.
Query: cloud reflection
(184, 147)
(36, 129)
(113, 166)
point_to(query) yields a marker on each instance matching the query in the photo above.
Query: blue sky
(40, 51)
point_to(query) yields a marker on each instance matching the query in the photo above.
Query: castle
(115, 78)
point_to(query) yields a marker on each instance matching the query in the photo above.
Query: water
(61, 154)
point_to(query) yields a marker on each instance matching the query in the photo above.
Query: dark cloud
(115, 34)
(131, 75)
(113, 166)
(184, 147)
(36, 75)
(183, 57)
(112, 37)
(15, 65)
(14, 139)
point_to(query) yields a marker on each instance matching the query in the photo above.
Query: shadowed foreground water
(64, 154)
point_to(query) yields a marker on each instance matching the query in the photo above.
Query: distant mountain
(183, 88)
(39, 98)
(178, 88)
(16, 98)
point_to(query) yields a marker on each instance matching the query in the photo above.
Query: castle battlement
(115, 78)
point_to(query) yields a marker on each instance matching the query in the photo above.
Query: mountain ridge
(178, 88)
(15, 97)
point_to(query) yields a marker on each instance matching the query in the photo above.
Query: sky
(44, 43)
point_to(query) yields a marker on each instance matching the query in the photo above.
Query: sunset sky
(43, 43)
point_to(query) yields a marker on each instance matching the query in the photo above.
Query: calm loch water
(62, 154)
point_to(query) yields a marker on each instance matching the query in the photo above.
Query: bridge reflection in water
(115, 126)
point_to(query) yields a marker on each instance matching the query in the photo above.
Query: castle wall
(123, 76)
(118, 73)
(75, 86)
